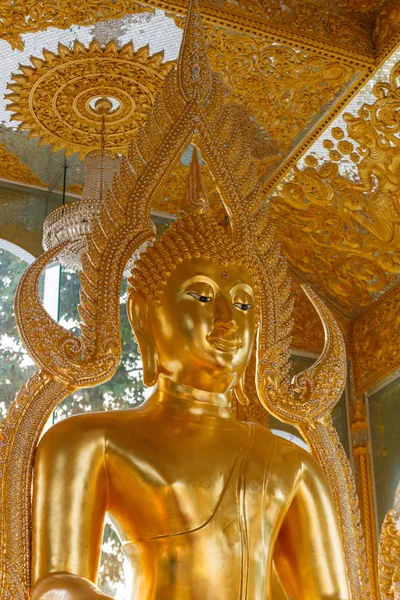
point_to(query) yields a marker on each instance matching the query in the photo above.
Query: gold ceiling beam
(305, 26)
(237, 20)
(323, 124)
(320, 127)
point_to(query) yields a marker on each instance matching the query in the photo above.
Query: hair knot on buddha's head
(190, 237)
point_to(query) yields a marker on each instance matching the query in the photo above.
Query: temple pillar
(362, 460)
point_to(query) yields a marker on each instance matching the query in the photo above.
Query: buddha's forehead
(210, 270)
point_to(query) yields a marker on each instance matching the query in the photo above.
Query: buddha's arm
(309, 555)
(69, 504)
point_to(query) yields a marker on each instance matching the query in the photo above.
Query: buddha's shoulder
(83, 429)
(285, 454)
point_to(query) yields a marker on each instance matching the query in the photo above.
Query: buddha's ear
(240, 391)
(138, 309)
(138, 313)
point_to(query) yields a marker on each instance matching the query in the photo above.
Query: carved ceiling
(296, 72)
(360, 26)
(286, 90)
(337, 213)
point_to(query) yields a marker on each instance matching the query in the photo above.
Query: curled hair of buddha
(189, 237)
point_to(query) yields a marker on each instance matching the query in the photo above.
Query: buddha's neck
(191, 400)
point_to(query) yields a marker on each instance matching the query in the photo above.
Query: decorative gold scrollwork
(389, 558)
(342, 231)
(11, 168)
(18, 17)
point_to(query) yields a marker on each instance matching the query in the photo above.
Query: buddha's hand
(64, 586)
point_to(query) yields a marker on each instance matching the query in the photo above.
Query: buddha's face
(204, 330)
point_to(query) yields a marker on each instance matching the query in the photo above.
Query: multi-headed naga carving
(189, 109)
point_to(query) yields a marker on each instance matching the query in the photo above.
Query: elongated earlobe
(150, 365)
(240, 392)
(138, 314)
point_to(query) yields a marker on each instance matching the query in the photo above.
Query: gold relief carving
(282, 88)
(343, 232)
(11, 168)
(300, 23)
(389, 558)
(375, 336)
(18, 16)
(366, 7)
(316, 21)
(387, 25)
(53, 97)
(316, 242)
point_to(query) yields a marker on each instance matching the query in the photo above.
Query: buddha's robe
(205, 506)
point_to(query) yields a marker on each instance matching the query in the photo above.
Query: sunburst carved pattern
(53, 97)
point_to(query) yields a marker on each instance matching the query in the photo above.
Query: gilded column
(359, 429)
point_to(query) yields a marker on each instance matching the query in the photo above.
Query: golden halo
(53, 99)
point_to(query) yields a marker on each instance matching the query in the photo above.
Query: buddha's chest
(224, 490)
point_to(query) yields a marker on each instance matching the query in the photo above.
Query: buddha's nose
(224, 318)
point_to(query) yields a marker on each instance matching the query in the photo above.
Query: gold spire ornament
(195, 199)
(190, 108)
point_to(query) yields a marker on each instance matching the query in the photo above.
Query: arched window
(15, 364)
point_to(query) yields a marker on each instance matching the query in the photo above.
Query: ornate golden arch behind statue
(190, 109)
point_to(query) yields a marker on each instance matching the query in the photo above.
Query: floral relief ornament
(296, 20)
(349, 224)
(18, 16)
(11, 168)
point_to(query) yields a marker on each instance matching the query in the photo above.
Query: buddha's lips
(223, 344)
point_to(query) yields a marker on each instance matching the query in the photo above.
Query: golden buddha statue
(206, 506)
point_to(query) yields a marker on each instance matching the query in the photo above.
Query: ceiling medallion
(54, 97)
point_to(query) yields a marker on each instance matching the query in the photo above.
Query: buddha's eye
(242, 306)
(199, 297)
